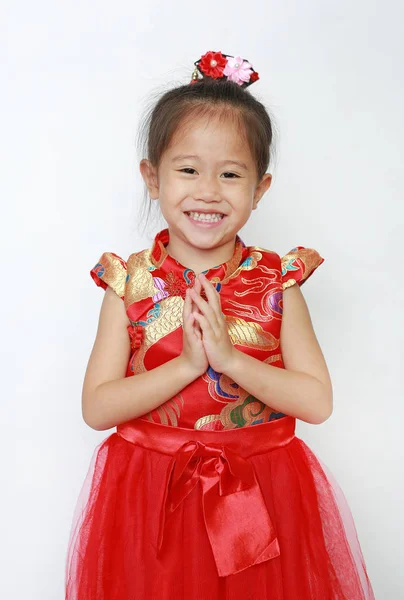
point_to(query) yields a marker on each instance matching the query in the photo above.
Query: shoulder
(110, 271)
(259, 255)
(298, 265)
(294, 267)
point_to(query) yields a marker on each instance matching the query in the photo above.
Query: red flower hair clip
(224, 66)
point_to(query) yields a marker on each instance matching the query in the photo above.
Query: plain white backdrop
(75, 78)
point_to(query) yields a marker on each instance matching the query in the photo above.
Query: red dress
(212, 495)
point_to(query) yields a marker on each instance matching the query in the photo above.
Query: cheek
(173, 187)
(246, 191)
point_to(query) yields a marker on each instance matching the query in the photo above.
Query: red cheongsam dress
(211, 496)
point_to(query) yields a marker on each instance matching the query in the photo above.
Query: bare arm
(110, 398)
(303, 389)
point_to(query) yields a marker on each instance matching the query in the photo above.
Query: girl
(204, 358)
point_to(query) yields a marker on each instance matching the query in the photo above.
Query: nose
(207, 188)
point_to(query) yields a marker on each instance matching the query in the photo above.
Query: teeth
(210, 217)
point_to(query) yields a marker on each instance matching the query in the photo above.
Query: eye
(232, 175)
(187, 169)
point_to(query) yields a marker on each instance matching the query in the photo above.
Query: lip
(204, 225)
(205, 211)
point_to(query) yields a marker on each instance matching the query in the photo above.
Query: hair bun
(219, 66)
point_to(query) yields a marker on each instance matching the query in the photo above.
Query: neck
(199, 259)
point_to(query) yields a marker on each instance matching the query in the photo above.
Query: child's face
(197, 173)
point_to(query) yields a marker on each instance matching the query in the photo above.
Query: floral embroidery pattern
(175, 286)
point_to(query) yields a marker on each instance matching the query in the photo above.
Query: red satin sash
(238, 525)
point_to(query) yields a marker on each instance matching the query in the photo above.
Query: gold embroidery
(260, 249)
(169, 412)
(273, 358)
(233, 263)
(114, 273)
(288, 283)
(169, 320)
(262, 286)
(140, 283)
(200, 423)
(251, 312)
(172, 417)
(137, 362)
(228, 389)
(162, 415)
(310, 258)
(163, 255)
(250, 334)
(248, 413)
(255, 258)
(255, 408)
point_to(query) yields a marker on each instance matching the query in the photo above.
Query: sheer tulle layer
(167, 512)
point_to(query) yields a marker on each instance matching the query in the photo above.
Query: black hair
(207, 97)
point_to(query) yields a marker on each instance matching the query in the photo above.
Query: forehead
(210, 136)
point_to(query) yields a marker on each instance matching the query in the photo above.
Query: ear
(149, 174)
(261, 188)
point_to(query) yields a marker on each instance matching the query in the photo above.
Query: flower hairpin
(218, 66)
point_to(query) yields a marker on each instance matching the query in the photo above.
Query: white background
(75, 78)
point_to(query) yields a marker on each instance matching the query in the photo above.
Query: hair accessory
(215, 65)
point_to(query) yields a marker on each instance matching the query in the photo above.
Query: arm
(110, 398)
(303, 389)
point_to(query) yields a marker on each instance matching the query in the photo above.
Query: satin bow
(238, 525)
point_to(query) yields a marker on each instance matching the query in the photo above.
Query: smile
(205, 219)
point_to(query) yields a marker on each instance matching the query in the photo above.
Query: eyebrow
(222, 162)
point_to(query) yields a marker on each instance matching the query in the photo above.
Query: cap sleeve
(110, 271)
(298, 265)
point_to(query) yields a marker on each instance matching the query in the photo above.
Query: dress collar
(164, 261)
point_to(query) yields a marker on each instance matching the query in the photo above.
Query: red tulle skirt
(169, 513)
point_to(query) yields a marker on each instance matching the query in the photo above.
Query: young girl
(204, 358)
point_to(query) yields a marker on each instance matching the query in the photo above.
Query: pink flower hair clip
(218, 66)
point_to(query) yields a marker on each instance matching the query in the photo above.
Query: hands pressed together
(205, 337)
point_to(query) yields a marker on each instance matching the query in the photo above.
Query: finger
(197, 283)
(193, 308)
(187, 308)
(207, 310)
(197, 287)
(212, 295)
(206, 327)
(187, 325)
(196, 329)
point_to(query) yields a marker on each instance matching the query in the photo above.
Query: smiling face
(207, 186)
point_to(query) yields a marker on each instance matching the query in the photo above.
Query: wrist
(233, 363)
(185, 369)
